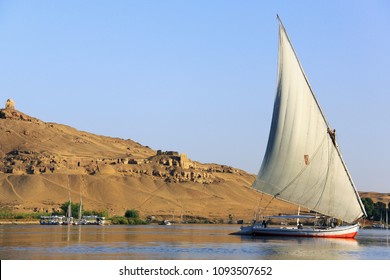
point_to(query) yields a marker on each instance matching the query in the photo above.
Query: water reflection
(307, 248)
(178, 242)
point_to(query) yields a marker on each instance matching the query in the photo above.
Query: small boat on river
(52, 220)
(91, 220)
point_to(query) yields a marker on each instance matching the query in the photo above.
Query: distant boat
(69, 220)
(52, 220)
(88, 219)
(302, 163)
(59, 220)
(166, 223)
(92, 220)
(381, 224)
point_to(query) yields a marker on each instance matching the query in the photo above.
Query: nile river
(179, 242)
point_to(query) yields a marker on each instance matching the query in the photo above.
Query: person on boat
(332, 135)
(264, 224)
(300, 226)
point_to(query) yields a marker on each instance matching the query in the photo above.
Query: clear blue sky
(199, 76)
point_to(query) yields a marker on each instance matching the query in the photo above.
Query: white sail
(69, 213)
(80, 208)
(302, 163)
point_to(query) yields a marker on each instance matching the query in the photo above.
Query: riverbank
(18, 222)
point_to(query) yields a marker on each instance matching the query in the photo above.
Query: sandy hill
(377, 197)
(41, 163)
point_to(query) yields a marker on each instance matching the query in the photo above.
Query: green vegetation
(8, 214)
(134, 214)
(131, 218)
(73, 206)
(119, 220)
(375, 211)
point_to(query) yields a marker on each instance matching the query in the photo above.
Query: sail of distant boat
(80, 208)
(303, 163)
(69, 213)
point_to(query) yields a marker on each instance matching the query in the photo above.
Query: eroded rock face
(168, 168)
(27, 162)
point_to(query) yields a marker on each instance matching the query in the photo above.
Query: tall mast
(81, 207)
(69, 210)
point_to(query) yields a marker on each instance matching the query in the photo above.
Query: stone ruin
(167, 153)
(10, 104)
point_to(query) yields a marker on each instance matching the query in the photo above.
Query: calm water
(188, 242)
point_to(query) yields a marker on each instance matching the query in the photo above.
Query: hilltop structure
(10, 104)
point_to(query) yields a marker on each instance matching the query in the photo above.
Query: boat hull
(337, 232)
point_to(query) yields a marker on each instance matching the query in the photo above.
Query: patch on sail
(306, 158)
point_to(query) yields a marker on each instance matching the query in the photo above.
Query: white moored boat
(303, 163)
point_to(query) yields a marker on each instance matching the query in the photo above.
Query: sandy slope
(150, 197)
(375, 196)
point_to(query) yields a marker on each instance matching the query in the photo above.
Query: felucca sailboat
(302, 163)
